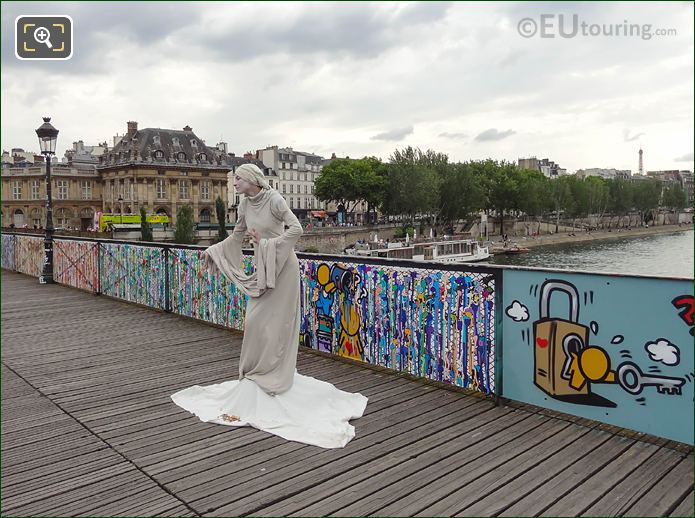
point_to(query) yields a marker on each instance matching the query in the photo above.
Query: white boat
(454, 251)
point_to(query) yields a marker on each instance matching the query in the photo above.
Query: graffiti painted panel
(8, 253)
(199, 293)
(133, 273)
(30, 255)
(435, 324)
(76, 263)
(613, 349)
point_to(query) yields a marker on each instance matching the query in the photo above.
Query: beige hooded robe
(271, 329)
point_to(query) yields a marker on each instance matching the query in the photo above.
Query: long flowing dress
(269, 394)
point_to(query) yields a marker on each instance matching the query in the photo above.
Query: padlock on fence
(558, 344)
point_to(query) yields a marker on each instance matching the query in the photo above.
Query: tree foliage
(425, 183)
(184, 233)
(348, 182)
(145, 229)
(221, 214)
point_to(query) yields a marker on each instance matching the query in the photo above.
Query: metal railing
(624, 357)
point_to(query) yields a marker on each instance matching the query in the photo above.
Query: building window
(62, 189)
(291, 203)
(159, 154)
(202, 157)
(194, 143)
(156, 140)
(291, 188)
(205, 190)
(183, 189)
(17, 190)
(86, 190)
(205, 216)
(236, 200)
(181, 156)
(35, 185)
(284, 188)
(161, 189)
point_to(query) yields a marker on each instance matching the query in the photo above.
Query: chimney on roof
(132, 128)
(187, 128)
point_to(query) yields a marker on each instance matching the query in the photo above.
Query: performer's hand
(205, 258)
(255, 236)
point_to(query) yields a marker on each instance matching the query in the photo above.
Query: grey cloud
(493, 134)
(688, 157)
(394, 134)
(456, 136)
(422, 12)
(628, 138)
(98, 28)
(356, 30)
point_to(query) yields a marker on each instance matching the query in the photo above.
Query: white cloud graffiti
(517, 312)
(663, 351)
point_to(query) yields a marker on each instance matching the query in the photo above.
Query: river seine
(664, 255)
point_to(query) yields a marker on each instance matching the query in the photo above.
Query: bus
(130, 219)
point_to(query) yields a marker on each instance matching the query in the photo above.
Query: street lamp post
(48, 137)
(120, 202)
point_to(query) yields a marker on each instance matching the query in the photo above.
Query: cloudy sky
(367, 78)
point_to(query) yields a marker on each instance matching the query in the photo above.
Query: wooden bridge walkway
(88, 429)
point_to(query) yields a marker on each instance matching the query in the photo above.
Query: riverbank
(578, 236)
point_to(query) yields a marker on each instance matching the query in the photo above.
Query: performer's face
(243, 186)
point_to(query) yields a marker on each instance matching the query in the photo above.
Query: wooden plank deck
(88, 429)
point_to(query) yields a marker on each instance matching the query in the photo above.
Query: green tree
(561, 198)
(461, 193)
(184, 233)
(597, 196)
(647, 197)
(532, 194)
(412, 185)
(673, 197)
(221, 214)
(500, 185)
(579, 205)
(348, 182)
(620, 197)
(145, 229)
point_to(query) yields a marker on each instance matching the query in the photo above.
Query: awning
(318, 213)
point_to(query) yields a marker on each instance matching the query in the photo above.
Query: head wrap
(252, 174)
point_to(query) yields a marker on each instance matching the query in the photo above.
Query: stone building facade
(163, 169)
(76, 193)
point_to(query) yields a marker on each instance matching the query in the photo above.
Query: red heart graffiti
(542, 342)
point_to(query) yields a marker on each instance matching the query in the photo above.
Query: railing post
(167, 296)
(98, 286)
(499, 333)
